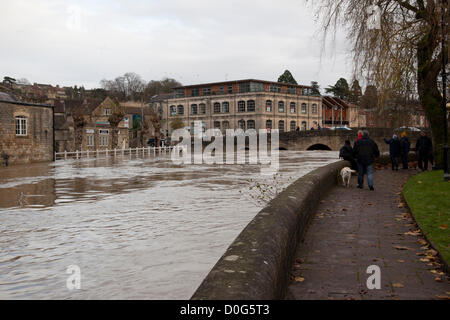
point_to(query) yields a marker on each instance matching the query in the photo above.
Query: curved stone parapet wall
(257, 264)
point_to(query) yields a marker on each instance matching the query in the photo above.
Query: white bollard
(76, 152)
(87, 153)
(115, 152)
(65, 155)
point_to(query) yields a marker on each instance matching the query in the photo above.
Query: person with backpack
(365, 152)
(405, 147)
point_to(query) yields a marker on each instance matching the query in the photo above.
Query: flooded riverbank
(138, 229)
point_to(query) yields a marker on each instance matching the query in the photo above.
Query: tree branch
(407, 5)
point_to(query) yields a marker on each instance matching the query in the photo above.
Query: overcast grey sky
(81, 42)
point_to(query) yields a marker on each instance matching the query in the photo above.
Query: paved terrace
(354, 229)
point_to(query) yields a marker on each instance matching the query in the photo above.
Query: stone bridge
(334, 140)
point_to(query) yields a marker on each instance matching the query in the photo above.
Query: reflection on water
(140, 228)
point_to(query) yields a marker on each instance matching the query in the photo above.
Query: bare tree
(117, 115)
(128, 86)
(396, 46)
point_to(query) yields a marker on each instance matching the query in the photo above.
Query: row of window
(251, 124)
(243, 106)
(103, 138)
(243, 88)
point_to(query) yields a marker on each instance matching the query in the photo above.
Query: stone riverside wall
(37, 144)
(257, 264)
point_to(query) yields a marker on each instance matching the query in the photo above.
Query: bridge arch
(319, 146)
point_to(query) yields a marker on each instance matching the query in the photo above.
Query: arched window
(21, 126)
(293, 125)
(304, 108)
(269, 124)
(241, 106)
(314, 108)
(241, 124)
(173, 110)
(225, 107)
(303, 125)
(281, 125)
(293, 108)
(281, 106)
(268, 106)
(251, 124)
(180, 109)
(202, 108)
(225, 125)
(251, 106)
(194, 109)
(216, 107)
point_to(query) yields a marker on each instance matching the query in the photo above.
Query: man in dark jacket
(346, 153)
(365, 152)
(405, 146)
(423, 148)
(394, 151)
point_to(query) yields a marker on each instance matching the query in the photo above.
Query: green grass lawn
(429, 198)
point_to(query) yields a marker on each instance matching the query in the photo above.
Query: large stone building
(26, 131)
(245, 104)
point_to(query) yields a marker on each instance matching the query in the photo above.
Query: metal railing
(115, 153)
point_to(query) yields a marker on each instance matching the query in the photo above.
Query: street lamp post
(444, 92)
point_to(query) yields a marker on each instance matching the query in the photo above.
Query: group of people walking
(364, 152)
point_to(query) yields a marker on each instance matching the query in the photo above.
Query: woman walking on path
(394, 150)
(405, 146)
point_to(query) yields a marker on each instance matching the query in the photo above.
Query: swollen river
(143, 228)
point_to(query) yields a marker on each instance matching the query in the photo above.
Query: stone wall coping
(256, 266)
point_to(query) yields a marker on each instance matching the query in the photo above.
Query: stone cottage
(26, 131)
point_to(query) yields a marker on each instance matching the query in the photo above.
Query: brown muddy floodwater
(138, 229)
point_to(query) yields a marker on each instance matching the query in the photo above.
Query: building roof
(4, 96)
(10, 98)
(334, 101)
(241, 81)
(137, 110)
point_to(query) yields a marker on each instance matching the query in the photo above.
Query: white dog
(346, 174)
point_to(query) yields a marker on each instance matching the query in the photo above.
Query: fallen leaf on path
(443, 297)
(401, 205)
(420, 254)
(425, 260)
(401, 248)
(443, 227)
(398, 285)
(437, 279)
(400, 261)
(422, 241)
(437, 272)
(432, 252)
(299, 279)
(410, 233)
